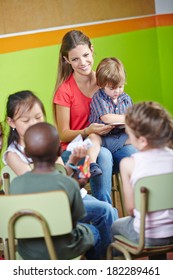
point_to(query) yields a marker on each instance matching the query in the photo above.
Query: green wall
(33, 69)
(147, 56)
(165, 42)
(139, 53)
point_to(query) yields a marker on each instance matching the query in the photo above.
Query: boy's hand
(77, 154)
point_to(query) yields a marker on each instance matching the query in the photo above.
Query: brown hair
(71, 40)
(151, 120)
(110, 71)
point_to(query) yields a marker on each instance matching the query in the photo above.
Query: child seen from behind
(150, 130)
(43, 146)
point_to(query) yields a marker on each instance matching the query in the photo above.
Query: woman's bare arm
(63, 126)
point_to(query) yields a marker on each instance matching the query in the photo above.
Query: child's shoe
(95, 170)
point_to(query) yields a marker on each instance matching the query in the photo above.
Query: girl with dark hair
(23, 109)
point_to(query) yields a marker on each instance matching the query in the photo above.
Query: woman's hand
(98, 128)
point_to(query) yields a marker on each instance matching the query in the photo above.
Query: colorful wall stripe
(144, 44)
(53, 37)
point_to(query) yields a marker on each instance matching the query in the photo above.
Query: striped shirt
(102, 104)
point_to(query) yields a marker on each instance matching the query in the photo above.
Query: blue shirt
(102, 104)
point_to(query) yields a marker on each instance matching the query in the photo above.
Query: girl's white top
(154, 162)
(20, 152)
(12, 148)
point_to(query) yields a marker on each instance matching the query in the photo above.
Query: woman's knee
(105, 157)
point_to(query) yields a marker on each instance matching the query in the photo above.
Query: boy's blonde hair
(110, 71)
(151, 120)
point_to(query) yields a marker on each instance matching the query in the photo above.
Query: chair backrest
(53, 206)
(7, 169)
(160, 192)
(61, 168)
(8, 175)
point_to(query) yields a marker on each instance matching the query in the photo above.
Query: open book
(116, 123)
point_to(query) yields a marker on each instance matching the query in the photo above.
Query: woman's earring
(13, 129)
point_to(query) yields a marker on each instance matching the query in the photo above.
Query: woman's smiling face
(81, 59)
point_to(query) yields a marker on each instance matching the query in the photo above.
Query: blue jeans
(124, 226)
(100, 185)
(125, 151)
(101, 215)
(95, 252)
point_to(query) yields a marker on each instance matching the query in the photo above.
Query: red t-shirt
(69, 95)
